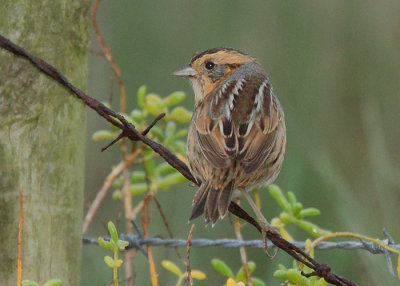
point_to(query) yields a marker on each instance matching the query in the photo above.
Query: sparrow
(237, 134)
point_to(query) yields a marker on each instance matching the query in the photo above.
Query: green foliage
(115, 245)
(293, 212)
(51, 282)
(167, 132)
(240, 276)
(173, 268)
(294, 277)
(222, 267)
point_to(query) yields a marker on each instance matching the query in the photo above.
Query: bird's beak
(186, 71)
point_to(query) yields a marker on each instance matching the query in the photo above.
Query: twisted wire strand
(136, 241)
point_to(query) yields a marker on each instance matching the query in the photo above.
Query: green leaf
(138, 189)
(278, 196)
(294, 276)
(53, 282)
(29, 283)
(122, 244)
(106, 104)
(118, 182)
(311, 228)
(178, 146)
(240, 276)
(172, 267)
(103, 135)
(141, 96)
(138, 176)
(257, 282)
(113, 231)
(294, 264)
(222, 268)
(109, 261)
(157, 132)
(398, 266)
(174, 98)
(281, 274)
(117, 195)
(170, 129)
(179, 114)
(252, 266)
(282, 267)
(165, 168)
(197, 274)
(149, 164)
(292, 199)
(321, 282)
(307, 245)
(154, 104)
(181, 133)
(285, 218)
(118, 263)
(170, 180)
(105, 244)
(297, 208)
(309, 212)
(311, 280)
(137, 115)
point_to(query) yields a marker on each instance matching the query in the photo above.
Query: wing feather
(238, 121)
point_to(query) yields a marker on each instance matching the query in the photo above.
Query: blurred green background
(335, 67)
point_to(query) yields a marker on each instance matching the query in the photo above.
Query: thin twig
(20, 226)
(104, 189)
(385, 246)
(146, 217)
(109, 57)
(166, 224)
(242, 249)
(128, 225)
(139, 234)
(382, 244)
(189, 243)
(145, 222)
(136, 210)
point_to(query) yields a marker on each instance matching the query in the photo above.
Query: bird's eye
(210, 65)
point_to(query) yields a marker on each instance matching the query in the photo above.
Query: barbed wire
(137, 241)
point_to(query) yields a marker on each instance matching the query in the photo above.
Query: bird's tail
(213, 202)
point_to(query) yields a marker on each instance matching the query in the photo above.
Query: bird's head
(208, 69)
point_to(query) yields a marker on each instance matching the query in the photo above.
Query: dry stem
(20, 226)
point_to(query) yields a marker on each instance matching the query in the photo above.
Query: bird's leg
(265, 225)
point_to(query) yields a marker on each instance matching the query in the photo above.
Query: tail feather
(224, 199)
(211, 208)
(212, 202)
(199, 201)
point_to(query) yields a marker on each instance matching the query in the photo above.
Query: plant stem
(115, 269)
